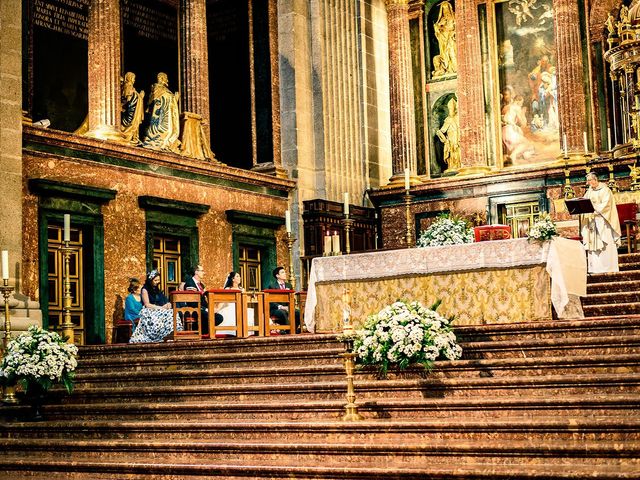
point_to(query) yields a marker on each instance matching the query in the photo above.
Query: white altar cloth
(565, 262)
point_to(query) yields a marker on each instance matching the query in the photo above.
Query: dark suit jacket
(190, 283)
(273, 307)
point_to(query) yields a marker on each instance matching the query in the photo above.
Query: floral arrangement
(38, 359)
(446, 230)
(404, 334)
(543, 228)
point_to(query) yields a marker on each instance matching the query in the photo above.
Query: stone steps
(611, 309)
(609, 287)
(613, 277)
(135, 470)
(611, 298)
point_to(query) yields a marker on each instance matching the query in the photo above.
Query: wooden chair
(122, 330)
(215, 298)
(281, 297)
(302, 301)
(253, 317)
(186, 305)
(627, 214)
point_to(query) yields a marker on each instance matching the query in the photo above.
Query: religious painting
(527, 77)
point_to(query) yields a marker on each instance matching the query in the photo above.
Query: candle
(287, 221)
(346, 203)
(5, 264)
(335, 243)
(67, 227)
(564, 145)
(407, 175)
(584, 141)
(609, 145)
(326, 250)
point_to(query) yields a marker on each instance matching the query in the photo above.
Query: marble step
(611, 298)
(356, 453)
(613, 287)
(335, 372)
(611, 309)
(381, 408)
(605, 383)
(629, 265)
(579, 428)
(622, 276)
(629, 257)
(135, 470)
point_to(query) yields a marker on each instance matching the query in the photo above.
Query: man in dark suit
(194, 282)
(280, 313)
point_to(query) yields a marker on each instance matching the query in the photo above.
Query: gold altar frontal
(488, 296)
(505, 281)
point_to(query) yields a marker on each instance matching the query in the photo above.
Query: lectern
(579, 206)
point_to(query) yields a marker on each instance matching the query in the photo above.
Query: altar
(503, 281)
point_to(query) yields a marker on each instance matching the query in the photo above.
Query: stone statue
(164, 117)
(611, 25)
(446, 62)
(132, 109)
(449, 134)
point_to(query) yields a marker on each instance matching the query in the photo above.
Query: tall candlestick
(609, 145)
(287, 221)
(67, 227)
(346, 203)
(5, 264)
(407, 175)
(564, 145)
(584, 142)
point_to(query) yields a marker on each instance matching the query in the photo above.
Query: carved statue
(164, 121)
(445, 30)
(449, 134)
(132, 109)
(611, 25)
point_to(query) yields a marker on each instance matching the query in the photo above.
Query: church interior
(323, 138)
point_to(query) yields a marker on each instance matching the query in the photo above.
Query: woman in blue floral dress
(156, 316)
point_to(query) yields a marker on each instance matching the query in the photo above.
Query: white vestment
(601, 231)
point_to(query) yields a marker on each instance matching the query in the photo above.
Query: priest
(601, 229)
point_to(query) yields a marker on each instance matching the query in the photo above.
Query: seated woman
(228, 310)
(133, 303)
(156, 316)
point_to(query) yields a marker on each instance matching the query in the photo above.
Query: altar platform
(503, 281)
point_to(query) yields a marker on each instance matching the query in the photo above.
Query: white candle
(67, 227)
(407, 175)
(584, 141)
(327, 243)
(564, 145)
(287, 221)
(335, 243)
(5, 264)
(346, 203)
(609, 145)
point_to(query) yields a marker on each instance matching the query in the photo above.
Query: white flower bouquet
(404, 334)
(543, 229)
(446, 230)
(37, 359)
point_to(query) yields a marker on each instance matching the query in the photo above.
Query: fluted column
(403, 120)
(470, 89)
(104, 70)
(194, 72)
(571, 96)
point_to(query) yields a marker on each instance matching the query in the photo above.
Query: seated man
(194, 282)
(280, 313)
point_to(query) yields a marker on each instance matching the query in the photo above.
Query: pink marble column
(403, 121)
(194, 73)
(571, 95)
(470, 89)
(104, 70)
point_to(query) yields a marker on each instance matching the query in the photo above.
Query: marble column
(104, 70)
(571, 94)
(403, 120)
(194, 73)
(470, 90)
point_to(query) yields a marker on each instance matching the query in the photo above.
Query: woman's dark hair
(229, 282)
(148, 283)
(134, 283)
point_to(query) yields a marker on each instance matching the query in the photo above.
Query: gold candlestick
(9, 390)
(348, 223)
(634, 173)
(290, 241)
(407, 205)
(612, 184)
(568, 189)
(351, 409)
(67, 325)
